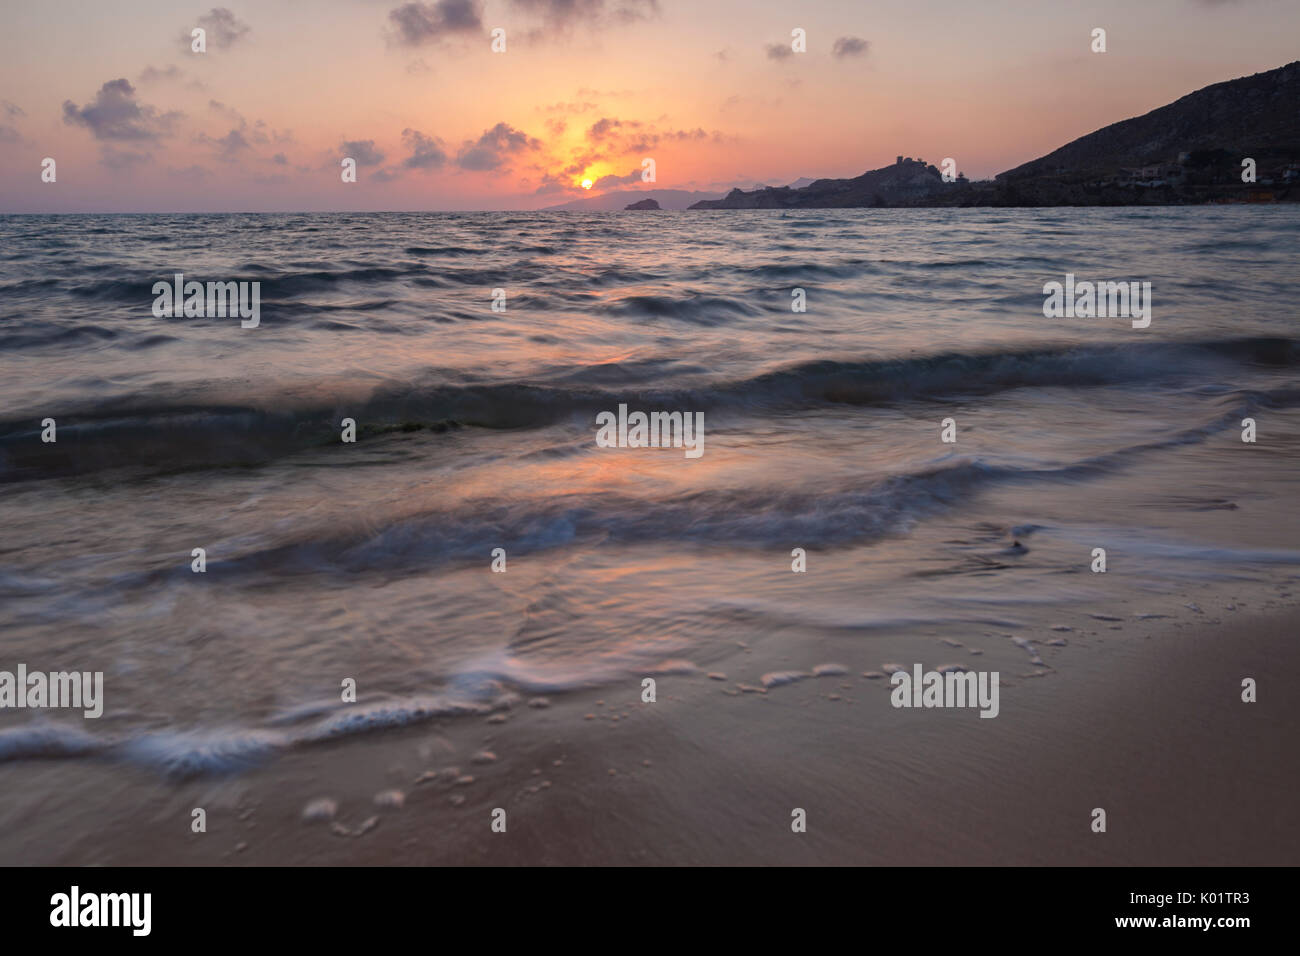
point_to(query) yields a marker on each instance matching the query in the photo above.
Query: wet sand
(1143, 718)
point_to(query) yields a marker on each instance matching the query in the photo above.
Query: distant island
(643, 204)
(1191, 151)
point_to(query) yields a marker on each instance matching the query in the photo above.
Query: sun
(586, 184)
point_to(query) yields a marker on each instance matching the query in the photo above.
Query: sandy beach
(1143, 718)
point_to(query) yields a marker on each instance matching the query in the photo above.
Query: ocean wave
(184, 435)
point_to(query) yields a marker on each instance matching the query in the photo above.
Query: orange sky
(711, 91)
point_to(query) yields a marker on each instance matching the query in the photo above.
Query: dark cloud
(850, 46)
(419, 23)
(779, 51)
(363, 151)
(426, 151)
(223, 28)
(494, 148)
(115, 114)
(12, 110)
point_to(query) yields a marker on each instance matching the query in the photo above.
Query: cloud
(151, 74)
(494, 148)
(558, 18)
(280, 159)
(566, 13)
(12, 110)
(779, 51)
(634, 136)
(123, 159)
(850, 46)
(363, 151)
(604, 182)
(603, 127)
(569, 108)
(228, 111)
(419, 23)
(9, 135)
(169, 74)
(426, 151)
(223, 28)
(116, 115)
(194, 174)
(231, 145)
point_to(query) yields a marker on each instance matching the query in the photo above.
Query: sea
(895, 437)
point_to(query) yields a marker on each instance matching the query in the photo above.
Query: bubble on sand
(750, 689)
(952, 668)
(1057, 642)
(829, 670)
(338, 829)
(497, 719)
(1029, 648)
(1061, 627)
(893, 668)
(320, 810)
(457, 799)
(1105, 617)
(464, 781)
(539, 703)
(780, 678)
(483, 756)
(392, 799)
(950, 642)
(873, 675)
(717, 675)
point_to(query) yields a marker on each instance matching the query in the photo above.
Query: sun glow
(586, 184)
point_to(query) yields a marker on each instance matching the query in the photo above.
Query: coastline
(1147, 724)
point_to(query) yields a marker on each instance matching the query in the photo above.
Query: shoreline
(1148, 725)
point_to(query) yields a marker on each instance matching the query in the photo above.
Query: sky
(584, 92)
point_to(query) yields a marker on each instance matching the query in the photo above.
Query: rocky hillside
(903, 183)
(1256, 116)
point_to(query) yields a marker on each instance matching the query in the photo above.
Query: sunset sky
(585, 90)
